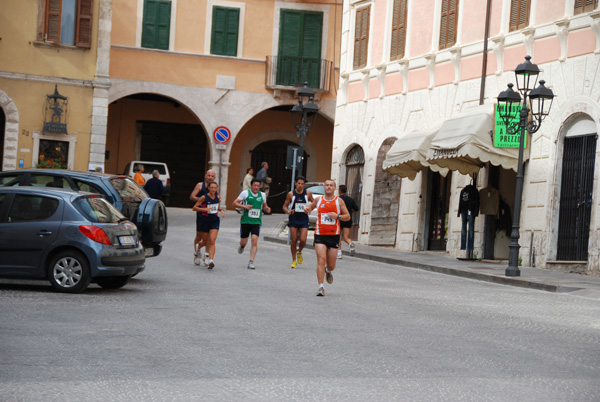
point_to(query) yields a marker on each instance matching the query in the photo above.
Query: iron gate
(576, 198)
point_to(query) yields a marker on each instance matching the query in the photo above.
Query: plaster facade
(31, 69)
(216, 90)
(388, 99)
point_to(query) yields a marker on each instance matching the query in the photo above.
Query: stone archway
(9, 131)
(384, 214)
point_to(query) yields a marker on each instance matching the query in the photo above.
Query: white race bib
(254, 213)
(326, 220)
(214, 208)
(299, 206)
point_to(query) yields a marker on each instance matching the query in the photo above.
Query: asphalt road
(178, 332)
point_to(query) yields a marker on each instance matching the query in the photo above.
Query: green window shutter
(156, 24)
(299, 57)
(164, 25)
(289, 47)
(311, 49)
(225, 27)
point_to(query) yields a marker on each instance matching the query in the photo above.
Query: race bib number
(326, 220)
(214, 208)
(254, 213)
(299, 206)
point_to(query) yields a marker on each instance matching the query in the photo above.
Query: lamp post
(540, 101)
(304, 116)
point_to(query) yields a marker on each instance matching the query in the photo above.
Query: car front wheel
(69, 272)
(113, 282)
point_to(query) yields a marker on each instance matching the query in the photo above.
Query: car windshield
(149, 167)
(97, 210)
(317, 190)
(128, 189)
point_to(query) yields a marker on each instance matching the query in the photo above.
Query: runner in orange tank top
(330, 210)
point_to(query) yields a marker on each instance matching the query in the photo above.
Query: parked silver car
(68, 238)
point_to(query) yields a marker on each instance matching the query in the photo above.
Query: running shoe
(251, 265)
(299, 257)
(328, 277)
(197, 259)
(352, 249)
(321, 291)
(211, 264)
(339, 256)
(240, 250)
(293, 264)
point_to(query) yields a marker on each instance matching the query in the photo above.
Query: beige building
(50, 46)
(418, 84)
(180, 69)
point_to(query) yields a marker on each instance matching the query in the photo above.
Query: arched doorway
(384, 214)
(576, 193)
(355, 163)
(2, 128)
(275, 154)
(156, 128)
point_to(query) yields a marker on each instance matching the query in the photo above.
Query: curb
(502, 280)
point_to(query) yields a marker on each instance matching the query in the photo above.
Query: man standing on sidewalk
(346, 226)
(263, 177)
(253, 202)
(330, 210)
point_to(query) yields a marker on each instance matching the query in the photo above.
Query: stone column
(101, 85)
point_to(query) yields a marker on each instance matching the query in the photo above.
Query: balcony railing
(294, 71)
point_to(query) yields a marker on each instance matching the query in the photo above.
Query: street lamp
(540, 100)
(304, 116)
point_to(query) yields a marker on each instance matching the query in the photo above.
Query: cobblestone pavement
(179, 332)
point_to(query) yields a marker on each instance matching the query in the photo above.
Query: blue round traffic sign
(222, 135)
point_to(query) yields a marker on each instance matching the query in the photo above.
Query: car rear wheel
(113, 282)
(69, 272)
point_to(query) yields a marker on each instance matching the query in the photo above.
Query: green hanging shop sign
(503, 139)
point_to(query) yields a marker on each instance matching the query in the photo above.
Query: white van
(149, 167)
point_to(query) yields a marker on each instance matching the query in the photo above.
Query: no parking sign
(221, 135)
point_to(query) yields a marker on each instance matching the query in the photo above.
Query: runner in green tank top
(253, 202)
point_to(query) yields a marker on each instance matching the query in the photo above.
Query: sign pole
(289, 240)
(220, 164)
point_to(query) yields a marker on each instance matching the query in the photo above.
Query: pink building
(415, 126)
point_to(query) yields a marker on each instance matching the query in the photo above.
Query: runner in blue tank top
(199, 190)
(209, 206)
(294, 205)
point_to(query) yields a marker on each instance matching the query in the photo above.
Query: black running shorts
(331, 241)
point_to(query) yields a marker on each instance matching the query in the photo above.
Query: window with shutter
(519, 14)
(68, 22)
(83, 31)
(361, 37)
(156, 24)
(398, 30)
(448, 22)
(584, 6)
(299, 54)
(225, 26)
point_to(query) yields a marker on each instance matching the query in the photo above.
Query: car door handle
(43, 233)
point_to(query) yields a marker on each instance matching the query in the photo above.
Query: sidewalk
(533, 278)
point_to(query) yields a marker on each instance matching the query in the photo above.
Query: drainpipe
(485, 51)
